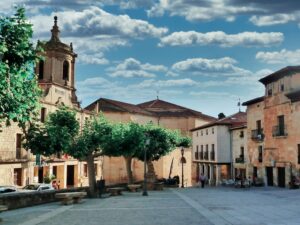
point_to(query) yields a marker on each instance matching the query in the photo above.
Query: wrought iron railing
(257, 135)
(279, 131)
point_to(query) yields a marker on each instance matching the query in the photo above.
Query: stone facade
(273, 143)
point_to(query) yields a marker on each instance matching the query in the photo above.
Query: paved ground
(191, 206)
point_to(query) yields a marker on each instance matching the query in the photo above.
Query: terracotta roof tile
(235, 120)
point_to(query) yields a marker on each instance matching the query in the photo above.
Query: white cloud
(213, 95)
(280, 57)
(133, 68)
(222, 39)
(201, 10)
(273, 19)
(95, 21)
(216, 67)
(97, 59)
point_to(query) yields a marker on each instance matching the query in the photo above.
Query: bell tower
(57, 68)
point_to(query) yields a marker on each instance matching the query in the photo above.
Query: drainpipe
(231, 155)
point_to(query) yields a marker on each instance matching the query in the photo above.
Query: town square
(149, 112)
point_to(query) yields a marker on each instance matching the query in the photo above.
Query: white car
(38, 187)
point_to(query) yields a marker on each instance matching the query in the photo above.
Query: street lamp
(145, 193)
(183, 160)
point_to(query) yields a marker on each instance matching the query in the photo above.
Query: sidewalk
(190, 206)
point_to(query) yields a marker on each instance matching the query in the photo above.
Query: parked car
(7, 189)
(38, 187)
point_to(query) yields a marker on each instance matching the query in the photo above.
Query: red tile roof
(152, 108)
(236, 120)
(163, 108)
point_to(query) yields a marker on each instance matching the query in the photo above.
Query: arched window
(66, 70)
(41, 70)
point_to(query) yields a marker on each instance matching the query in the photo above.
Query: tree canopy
(19, 91)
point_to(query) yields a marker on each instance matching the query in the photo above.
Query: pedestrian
(202, 179)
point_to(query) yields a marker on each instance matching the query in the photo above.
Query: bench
(2, 208)
(133, 187)
(159, 186)
(115, 191)
(70, 197)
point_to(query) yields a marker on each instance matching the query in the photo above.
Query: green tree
(19, 91)
(126, 140)
(56, 135)
(161, 142)
(89, 144)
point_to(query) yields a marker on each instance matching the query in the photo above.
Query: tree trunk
(91, 175)
(151, 176)
(128, 161)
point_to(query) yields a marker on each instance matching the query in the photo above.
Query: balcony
(240, 159)
(257, 135)
(201, 155)
(197, 155)
(212, 156)
(279, 131)
(206, 155)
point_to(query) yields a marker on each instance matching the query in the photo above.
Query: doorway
(269, 171)
(281, 177)
(70, 175)
(18, 176)
(41, 175)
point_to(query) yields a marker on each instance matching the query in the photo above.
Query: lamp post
(145, 193)
(182, 162)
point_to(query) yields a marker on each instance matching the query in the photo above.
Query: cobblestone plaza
(193, 206)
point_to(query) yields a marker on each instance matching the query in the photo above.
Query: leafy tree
(56, 136)
(221, 116)
(126, 140)
(161, 142)
(88, 144)
(19, 91)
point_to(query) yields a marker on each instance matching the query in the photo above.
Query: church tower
(56, 73)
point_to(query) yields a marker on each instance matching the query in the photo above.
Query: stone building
(56, 76)
(213, 144)
(159, 112)
(274, 129)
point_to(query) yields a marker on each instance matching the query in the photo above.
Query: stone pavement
(190, 206)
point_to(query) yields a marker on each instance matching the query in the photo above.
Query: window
(241, 134)
(212, 130)
(18, 146)
(242, 152)
(212, 153)
(270, 89)
(85, 170)
(282, 87)
(258, 127)
(206, 131)
(41, 70)
(201, 152)
(206, 153)
(197, 152)
(281, 125)
(54, 171)
(201, 132)
(197, 134)
(43, 114)
(298, 153)
(66, 70)
(260, 154)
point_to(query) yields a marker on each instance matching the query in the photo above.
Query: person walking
(202, 180)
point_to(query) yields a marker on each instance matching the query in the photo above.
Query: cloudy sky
(202, 54)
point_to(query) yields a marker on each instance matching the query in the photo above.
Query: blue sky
(202, 54)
